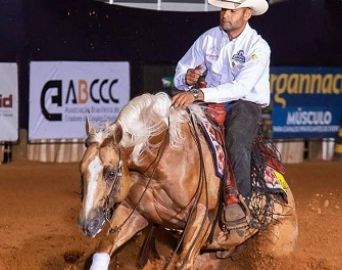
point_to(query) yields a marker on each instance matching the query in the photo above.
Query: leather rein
(202, 183)
(107, 208)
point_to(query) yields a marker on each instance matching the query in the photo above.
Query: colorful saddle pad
(214, 137)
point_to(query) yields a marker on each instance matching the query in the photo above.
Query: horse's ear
(117, 133)
(89, 128)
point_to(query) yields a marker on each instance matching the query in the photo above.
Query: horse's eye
(110, 174)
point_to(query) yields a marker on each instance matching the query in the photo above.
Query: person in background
(233, 61)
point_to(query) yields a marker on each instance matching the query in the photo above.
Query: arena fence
(64, 151)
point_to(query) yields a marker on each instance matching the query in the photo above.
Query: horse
(151, 166)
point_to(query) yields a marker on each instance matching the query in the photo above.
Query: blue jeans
(241, 128)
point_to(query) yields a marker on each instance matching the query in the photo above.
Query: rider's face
(234, 19)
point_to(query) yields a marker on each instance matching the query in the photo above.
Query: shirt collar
(241, 36)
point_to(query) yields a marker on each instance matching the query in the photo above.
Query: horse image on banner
(154, 166)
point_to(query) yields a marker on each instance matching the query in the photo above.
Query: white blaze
(94, 168)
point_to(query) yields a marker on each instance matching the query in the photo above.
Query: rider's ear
(247, 14)
(117, 133)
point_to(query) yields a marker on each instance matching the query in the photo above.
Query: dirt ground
(40, 202)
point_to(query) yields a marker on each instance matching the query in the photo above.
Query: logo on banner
(286, 85)
(9, 102)
(6, 101)
(100, 91)
(300, 117)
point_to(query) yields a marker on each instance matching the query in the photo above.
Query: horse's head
(104, 176)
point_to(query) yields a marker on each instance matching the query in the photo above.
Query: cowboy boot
(235, 212)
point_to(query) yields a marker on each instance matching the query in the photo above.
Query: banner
(307, 102)
(8, 102)
(64, 94)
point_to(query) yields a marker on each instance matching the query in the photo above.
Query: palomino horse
(150, 167)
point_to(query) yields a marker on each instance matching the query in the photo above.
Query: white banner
(64, 94)
(8, 102)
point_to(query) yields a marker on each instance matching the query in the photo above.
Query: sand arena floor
(40, 202)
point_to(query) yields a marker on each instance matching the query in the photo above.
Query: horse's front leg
(116, 239)
(195, 236)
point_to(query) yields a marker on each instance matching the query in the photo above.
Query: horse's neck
(174, 179)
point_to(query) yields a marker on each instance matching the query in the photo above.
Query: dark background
(300, 33)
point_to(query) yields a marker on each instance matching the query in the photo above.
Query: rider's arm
(193, 58)
(255, 68)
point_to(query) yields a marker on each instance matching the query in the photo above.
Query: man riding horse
(231, 62)
(135, 172)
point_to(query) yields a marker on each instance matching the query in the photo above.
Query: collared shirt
(235, 69)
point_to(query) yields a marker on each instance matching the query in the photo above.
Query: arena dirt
(39, 205)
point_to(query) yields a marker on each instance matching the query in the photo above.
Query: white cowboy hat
(258, 7)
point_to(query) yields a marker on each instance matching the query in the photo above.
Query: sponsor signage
(307, 102)
(8, 102)
(64, 94)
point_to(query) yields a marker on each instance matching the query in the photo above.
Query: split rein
(202, 183)
(155, 162)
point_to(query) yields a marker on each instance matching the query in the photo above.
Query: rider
(234, 62)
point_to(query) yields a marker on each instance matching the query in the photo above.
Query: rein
(155, 162)
(195, 199)
(201, 181)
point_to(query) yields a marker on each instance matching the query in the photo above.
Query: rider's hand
(184, 99)
(193, 74)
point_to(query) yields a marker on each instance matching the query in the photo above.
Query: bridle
(154, 163)
(114, 184)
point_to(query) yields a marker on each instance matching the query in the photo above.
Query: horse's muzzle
(92, 226)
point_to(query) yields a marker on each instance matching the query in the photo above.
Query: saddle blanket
(214, 137)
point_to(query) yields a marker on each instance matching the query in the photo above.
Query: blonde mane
(150, 115)
(146, 116)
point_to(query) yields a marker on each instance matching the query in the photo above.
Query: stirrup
(240, 215)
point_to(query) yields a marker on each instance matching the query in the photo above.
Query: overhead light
(165, 5)
(171, 5)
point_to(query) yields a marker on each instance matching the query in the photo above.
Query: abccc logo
(100, 91)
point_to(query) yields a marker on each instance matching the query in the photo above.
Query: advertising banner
(64, 94)
(8, 102)
(307, 102)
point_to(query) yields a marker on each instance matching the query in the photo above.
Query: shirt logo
(239, 57)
